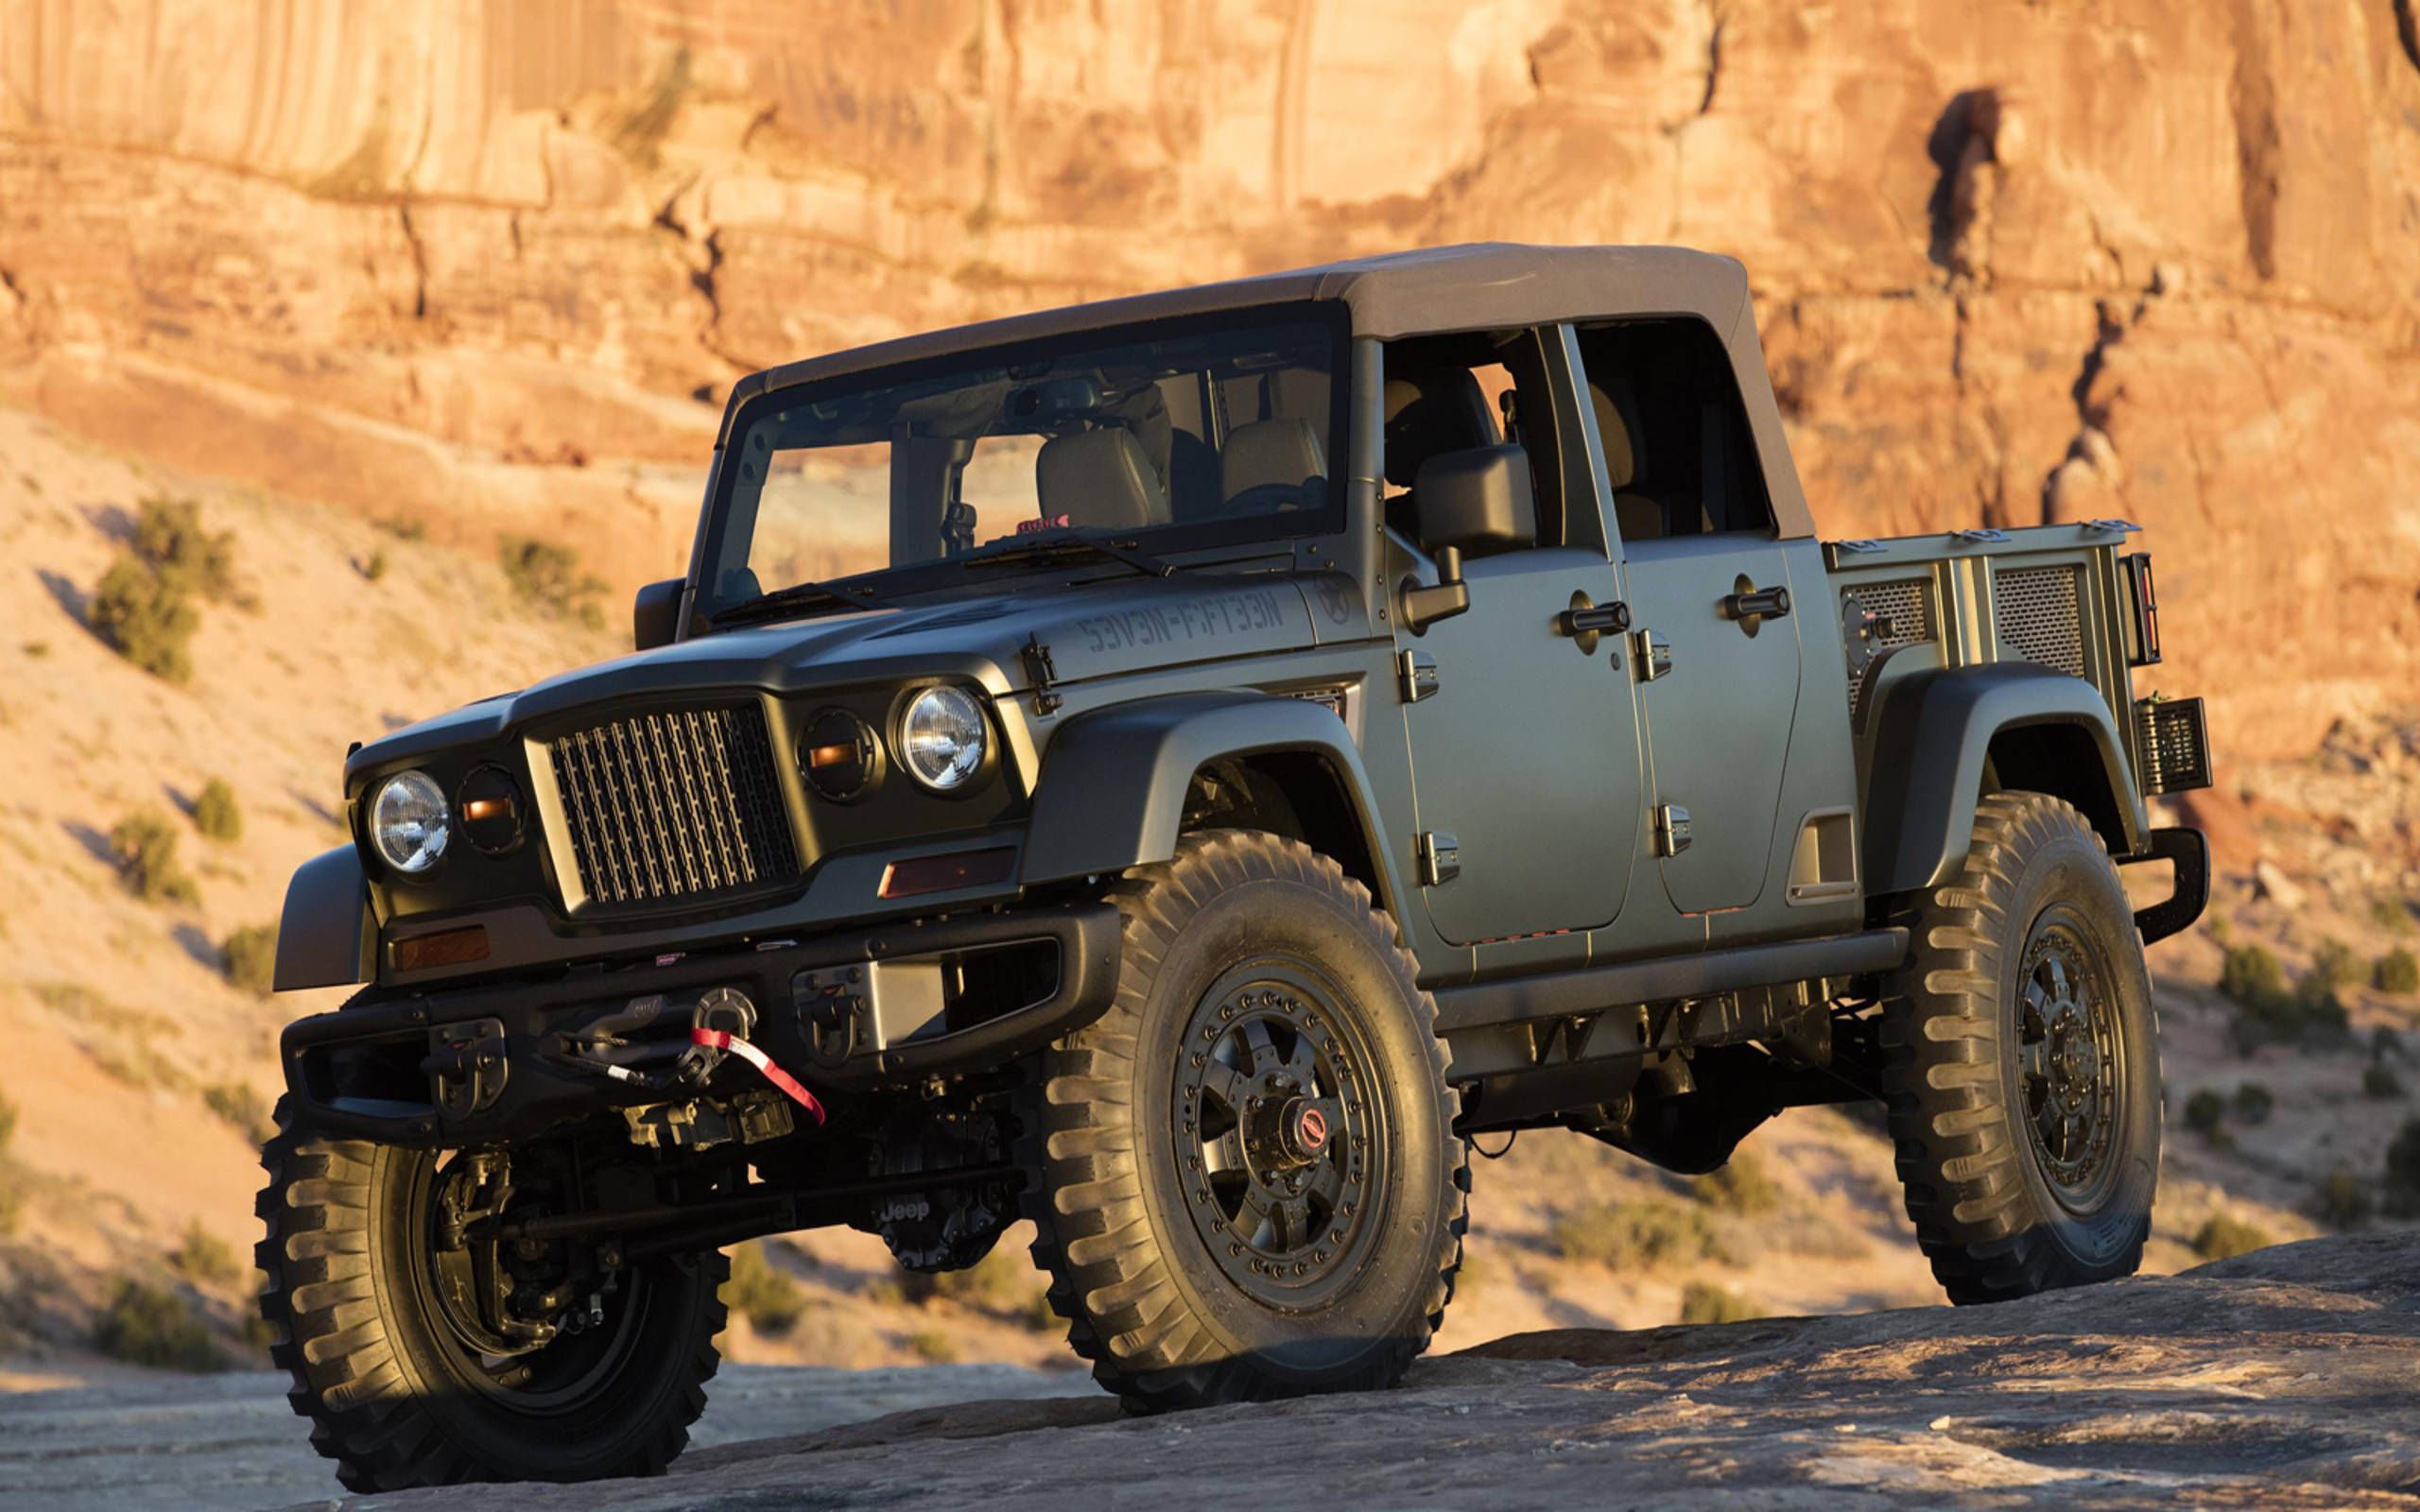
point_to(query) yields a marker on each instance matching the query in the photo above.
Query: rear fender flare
(1114, 781)
(1924, 769)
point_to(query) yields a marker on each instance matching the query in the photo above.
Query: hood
(1091, 630)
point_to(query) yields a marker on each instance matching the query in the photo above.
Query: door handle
(1583, 622)
(1759, 603)
(1601, 618)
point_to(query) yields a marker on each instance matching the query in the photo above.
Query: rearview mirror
(655, 619)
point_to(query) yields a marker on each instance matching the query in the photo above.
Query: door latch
(1415, 674)
(1671, 830)
(1652, 654)
(1440, 858)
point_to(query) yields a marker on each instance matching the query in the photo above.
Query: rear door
(1714, 651)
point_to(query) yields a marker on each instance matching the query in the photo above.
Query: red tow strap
(719, 1039)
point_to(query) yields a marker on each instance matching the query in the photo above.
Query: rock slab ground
(2280, 1379)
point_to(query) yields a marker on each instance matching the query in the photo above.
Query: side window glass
(1678, 452)
(1451, 393)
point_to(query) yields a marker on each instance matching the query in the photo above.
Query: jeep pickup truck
(1175, 771)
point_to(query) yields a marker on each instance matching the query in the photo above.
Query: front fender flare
(1925, 767)
(1114, 781)
(326, 937)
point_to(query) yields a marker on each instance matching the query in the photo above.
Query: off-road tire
(364, 1357)
(1984, 1189)
(1145, 1301)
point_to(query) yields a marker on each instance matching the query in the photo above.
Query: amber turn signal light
(451, 947)
(947, 873)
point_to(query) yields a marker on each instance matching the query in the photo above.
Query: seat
(1270, 465)
(1099, 479)
(1429, 415)
(1635, 515)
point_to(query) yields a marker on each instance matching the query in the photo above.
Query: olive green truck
(1175, 771)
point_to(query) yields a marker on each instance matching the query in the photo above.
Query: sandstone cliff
(2016, 259)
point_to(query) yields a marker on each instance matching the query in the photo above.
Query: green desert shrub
(2391, 914)
(933, 1347)
(2205, 1113)
(549, 577)
(216, 813)
(202, 1256)
(249, 958)
(169, 538)
(1741, 1186)
(146, 617)
(2402, 1174)
(2226, 1236)
(1704, 1302)
(152, 1325)
(1636, 1235)
(144, 844)
(2334, 963)
(2396, 971)
(2250, 976)
(761, 1291)
(2341, 1200)
(240, 1108)
(2254, 1103)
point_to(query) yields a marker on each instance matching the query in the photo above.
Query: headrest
(1270, 453)
(1430, 415)
(1624, 446)
(1099, 478)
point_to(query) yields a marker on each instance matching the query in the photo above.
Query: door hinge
(1440, 858)
(1415, 674)
(1039, 669)
(1651, 653)
(1671, 830)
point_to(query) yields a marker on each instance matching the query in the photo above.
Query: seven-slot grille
(674, 805)
(2039, 615)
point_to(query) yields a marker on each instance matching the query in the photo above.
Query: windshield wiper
(796, 599)
(1054, 544)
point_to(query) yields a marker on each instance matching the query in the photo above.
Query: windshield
(1196, 437)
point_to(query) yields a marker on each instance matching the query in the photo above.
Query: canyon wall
(493, 267)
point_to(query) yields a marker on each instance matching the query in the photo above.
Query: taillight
(2142, 641)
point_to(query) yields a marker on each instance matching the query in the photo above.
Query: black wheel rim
(2070, 1061)
(1280, 1131)
(564, 1375)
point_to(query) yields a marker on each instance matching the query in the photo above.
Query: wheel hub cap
(1274, 1136)
(2067, 1061)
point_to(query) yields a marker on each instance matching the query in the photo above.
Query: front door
(1527, 755)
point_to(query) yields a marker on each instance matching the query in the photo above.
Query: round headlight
(407, 821)
(941, 737)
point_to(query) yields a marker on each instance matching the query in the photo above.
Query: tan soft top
(1484, 285)
(1481, 286)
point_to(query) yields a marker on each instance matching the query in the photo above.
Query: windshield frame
(1173, 543)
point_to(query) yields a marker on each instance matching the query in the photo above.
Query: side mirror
(1476, 501)
(655, 619)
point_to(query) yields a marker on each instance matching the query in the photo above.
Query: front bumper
(849, 1012)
